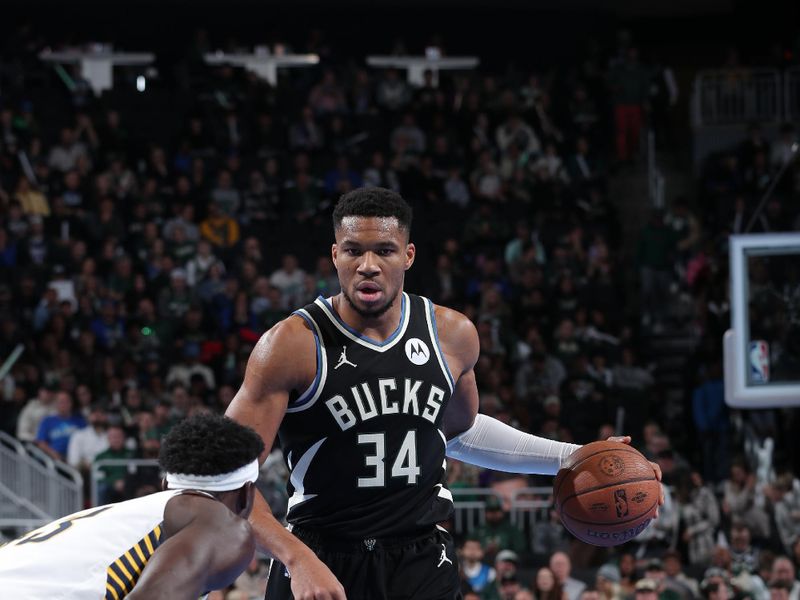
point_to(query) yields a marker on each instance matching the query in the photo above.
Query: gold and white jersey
(93, 554)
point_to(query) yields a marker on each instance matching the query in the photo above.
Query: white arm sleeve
(492, 444)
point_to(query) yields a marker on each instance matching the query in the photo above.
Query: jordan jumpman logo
(343, 359)
(443, 558)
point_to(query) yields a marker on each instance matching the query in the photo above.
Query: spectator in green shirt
(112, 482)
(499, 533)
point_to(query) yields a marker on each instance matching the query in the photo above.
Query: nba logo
(759, 361)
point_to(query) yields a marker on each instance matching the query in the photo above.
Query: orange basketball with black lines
(606, 493)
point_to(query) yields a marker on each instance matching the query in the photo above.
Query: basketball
(606, 493)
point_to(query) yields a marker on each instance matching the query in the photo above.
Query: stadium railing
(655, 178)
(735, 96)
(791, 94)
(526, 506)
(34, 488)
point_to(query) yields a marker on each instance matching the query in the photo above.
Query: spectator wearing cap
(646, 589)
(561, 565)
(183, 371)
(506, 561)
(654, 571)
(498, 533)
(478, 574)
(715, 585)
(506, 587)
(55, 430)
(607, 582)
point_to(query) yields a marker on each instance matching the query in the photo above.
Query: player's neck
(378, 328)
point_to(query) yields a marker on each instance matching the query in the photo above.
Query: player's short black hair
(209, 444)
(373, 202)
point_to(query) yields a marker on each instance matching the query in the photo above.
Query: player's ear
(411, 252)
(245, 501)
(334, 253)
(164, 484)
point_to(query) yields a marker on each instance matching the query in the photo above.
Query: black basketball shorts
(419, 568)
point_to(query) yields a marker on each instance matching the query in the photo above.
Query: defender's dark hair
(373, 202)
(209, 444)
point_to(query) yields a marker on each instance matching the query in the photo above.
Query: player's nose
(369, 264)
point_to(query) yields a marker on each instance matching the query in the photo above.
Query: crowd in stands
(138, 269)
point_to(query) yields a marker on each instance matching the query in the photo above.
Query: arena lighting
(141, 83)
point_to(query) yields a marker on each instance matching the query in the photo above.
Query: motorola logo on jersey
(417, 351)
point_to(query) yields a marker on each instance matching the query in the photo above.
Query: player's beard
(372, 313)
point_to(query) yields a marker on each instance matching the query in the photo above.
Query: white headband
(214, 483)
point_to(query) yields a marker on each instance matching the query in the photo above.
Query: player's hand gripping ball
(606, 493)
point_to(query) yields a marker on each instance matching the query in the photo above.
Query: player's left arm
(479, 439)
(212, 547)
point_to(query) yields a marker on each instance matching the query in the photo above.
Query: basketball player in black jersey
(368, 391)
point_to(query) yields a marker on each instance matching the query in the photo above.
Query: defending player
(175, 544)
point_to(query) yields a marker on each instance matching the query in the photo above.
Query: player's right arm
(284, 360)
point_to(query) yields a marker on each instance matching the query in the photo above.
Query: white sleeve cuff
(492, 444)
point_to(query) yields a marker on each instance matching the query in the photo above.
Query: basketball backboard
(762, 348)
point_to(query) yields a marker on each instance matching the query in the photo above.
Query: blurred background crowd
(145, 245)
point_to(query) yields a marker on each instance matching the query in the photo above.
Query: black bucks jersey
(364, 442)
